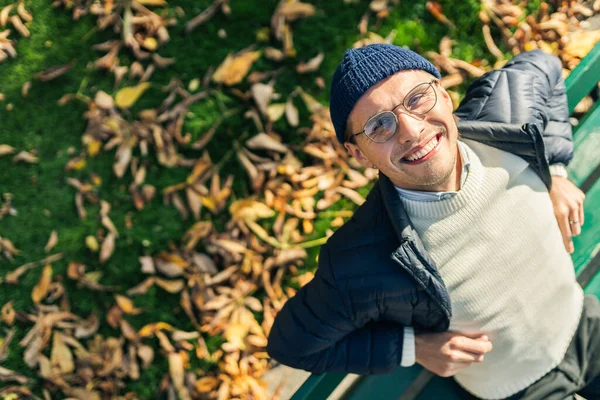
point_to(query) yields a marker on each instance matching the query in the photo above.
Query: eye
(414, 100)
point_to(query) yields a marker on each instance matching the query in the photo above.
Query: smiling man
(459, 259)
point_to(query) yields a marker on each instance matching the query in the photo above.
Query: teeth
(424, 151)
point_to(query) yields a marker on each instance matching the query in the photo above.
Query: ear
(357, 153)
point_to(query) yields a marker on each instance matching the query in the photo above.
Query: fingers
(459, 356)
(469, 345)
(565, 230)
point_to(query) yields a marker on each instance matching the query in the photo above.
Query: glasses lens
(421, 99)
(381, 127)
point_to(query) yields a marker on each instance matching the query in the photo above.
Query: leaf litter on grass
(229, 281)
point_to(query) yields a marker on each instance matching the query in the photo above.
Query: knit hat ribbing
(362, 68)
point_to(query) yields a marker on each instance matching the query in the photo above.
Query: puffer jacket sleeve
(315, 331)
(529, 89)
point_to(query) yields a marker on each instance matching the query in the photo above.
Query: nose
(410, 127)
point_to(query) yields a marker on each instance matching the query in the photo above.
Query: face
(422, 155)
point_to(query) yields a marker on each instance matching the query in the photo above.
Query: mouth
(423, 153)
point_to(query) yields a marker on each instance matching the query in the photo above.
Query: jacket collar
(395, 209)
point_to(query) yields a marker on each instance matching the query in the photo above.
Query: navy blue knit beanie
(362, 68)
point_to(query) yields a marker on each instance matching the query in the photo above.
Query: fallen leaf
(250, 210)
(26, 157)
(311, 65)
(234, 68)
(8, 313)
(40, 290)
(108, 247)
(126, 305)
(296, 10)
(52, 241)
(54, 72)
(127, 96)
(291, 113)
(6, 149)
(61, 357)
(266, 142)
(171, 286)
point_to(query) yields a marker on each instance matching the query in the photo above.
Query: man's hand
(446, 353)
(567, 201)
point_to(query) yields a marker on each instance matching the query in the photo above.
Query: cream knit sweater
(500, 253)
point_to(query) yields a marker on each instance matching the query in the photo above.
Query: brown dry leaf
(234, 68)
(40, 290)
(61, 357)
(146, 354)
(170, 286)
(177, 373)
(24, 14)
(265, 142)
(25, 88)
(8, 313)
(108, 247)
(126, 305)
(127, 96)
(26, 157)
(88, 327)
(13, 276)
(15, 20)
(54, 72)
(296, 10)
(351, 194)
(6, 149)
(4, 14)
(104, 101)
(52, 241)
(291, 113)
(6, 375)
(262, 94)
(311, 65)
(170, 265)
(147, 265)
(142, 287)
(247, 209)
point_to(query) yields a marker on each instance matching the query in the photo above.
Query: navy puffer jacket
(374, 275)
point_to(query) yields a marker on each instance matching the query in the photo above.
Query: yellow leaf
(150, 329)
(207, 384)
(127, 96)
(275, 111)
(93, 147)
(150, 43)
(41, 289)
(250, 210)
(92, 243)
(235, 335)
(126, 305)
(234, 68)
(151, 2)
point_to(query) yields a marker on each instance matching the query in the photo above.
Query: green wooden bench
(418, 383)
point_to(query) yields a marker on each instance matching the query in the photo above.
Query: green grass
(44, 200)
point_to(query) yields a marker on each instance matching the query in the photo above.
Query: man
(456, 259)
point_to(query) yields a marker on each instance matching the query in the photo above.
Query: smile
(425, 152)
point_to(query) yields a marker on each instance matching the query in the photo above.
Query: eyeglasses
(419, 101)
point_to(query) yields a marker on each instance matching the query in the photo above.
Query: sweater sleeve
(315, 331)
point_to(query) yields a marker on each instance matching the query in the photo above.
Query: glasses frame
(417, 115)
